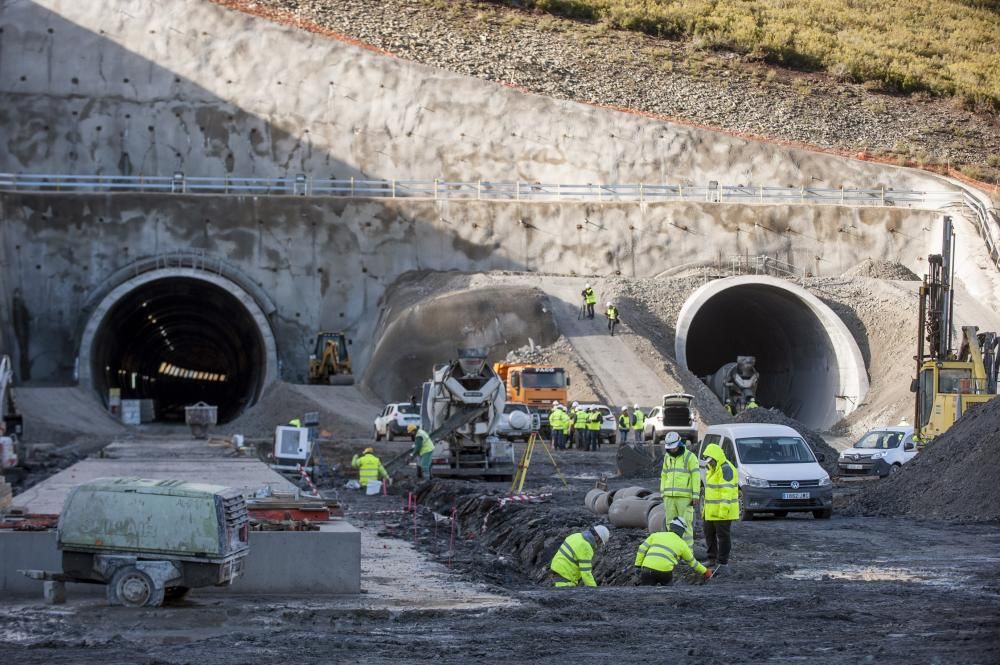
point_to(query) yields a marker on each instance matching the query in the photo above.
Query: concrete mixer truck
(462, 405)
(735, 383)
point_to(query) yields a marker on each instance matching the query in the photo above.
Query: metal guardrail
(480, 190)
(740, 264)
(988, 224)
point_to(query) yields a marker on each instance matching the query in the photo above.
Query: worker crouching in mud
(660, 553)
(573, 562)
(423, 449)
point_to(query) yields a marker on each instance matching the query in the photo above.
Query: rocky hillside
(683, 80)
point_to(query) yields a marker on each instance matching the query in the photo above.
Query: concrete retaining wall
(325, 263)
(314, 562)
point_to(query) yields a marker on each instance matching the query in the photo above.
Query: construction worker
(423, 448)
(660, 553)
(556, 420)
(721, 507)
(638, 423)
(573, 561)
(612, 314)
(752, 404)
(680, 483)
(729, 406)
(369, 467)
(624, 424)
(581, 428)
(589, 300)
(567, 424)
(594, 419)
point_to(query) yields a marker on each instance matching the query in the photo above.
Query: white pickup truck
(880, 452)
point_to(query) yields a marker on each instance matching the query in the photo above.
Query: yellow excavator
(330, 361)
(949, 382)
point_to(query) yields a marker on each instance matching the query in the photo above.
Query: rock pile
(879, 269)
(954, 477)
(815, 441)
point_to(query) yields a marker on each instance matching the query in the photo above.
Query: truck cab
(538, 386)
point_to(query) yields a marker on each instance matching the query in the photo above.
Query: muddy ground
(845, 590)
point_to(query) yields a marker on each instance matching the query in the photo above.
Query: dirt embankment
(954, 477)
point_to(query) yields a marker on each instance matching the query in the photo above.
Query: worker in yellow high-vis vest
(680, 483)
(721, 507)
(369, 467)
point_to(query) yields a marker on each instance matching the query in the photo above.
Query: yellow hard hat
(368, 450)
(411, 428)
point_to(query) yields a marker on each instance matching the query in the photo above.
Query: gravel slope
(589, 63)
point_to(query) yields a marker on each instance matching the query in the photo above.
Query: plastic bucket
(374, 487)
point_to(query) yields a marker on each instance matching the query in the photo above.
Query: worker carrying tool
(589, 300)
(680, 483)
(660, 553)
(612, 314)
(573, 561)
(721, 506)
(423, 448)
(624, 424)
(369, 467)
(638, 423)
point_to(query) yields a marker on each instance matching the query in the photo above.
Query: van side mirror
(820, 457)
(909, 445)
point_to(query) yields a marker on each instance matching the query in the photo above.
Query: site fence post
(352, 187)
(479, 190)
(517, 190)
(435, 189)
(883, 195)
(393, 188)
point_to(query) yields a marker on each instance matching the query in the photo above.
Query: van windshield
(774, 450)
(880, 440)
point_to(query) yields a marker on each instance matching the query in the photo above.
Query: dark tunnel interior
(179, 341)
(795, 357)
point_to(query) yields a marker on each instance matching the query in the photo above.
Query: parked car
(778, 472)
(880, 452)
(609, 423)
(513, 427)
(394, 420)
(676, 415)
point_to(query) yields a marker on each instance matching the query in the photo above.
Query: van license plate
(855, 466)
(795, 495)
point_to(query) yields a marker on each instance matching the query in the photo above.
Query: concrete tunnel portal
(177, 339)
(810, 365)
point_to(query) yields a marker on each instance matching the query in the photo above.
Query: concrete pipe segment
(591, 498)
(634, 491)
(602, 504)
(655, 518)
(630, 512)
(810, 366)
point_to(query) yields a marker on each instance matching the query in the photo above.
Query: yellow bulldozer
(949, 382)
(330, 361)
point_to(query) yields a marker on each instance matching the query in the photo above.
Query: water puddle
(877, 574)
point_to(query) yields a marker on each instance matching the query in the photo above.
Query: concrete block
(54, 593)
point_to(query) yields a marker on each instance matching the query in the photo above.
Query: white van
(880, 452)
(778, 471)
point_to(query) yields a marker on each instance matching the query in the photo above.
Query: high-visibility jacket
(623, 421)
(589, 296)
(663, 550)
(295, 422)
(638, 419)
(612, 313)
(422, 443)
(722, 492)
(581, 419)
(557, 419)
(594, 419)
(679, 476)
(564, 421)
(752, 404)
(573, 561)
(369, 468)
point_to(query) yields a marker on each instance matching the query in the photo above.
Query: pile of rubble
(880, 269)
(815, 441)
(954, 477)
(535, 354)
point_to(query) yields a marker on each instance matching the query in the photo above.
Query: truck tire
(133, 588)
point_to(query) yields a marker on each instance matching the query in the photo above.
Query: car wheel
(823, 514)
(894, 469)
(133, 588)
(745, 514)
(378, 437)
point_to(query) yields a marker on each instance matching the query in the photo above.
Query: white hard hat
(671, 440)
(609, 303)
(624, 409)
(576, 404)
(556, 405)
(635, 406)
(588, 285)
(602, 533)
(679, 522)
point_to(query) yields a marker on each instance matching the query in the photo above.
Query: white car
(676, 415)
(609, 423)
(512, 427)
(394, 420)
(880, 452)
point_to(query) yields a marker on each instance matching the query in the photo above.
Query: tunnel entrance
(810, 365)
(178, 340)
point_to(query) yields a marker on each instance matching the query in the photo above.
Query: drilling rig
(948, 382)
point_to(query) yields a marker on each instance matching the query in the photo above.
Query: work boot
(721, 569)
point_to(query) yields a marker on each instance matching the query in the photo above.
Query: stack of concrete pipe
(634, 507)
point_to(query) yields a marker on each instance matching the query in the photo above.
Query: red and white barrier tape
(305, 476)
